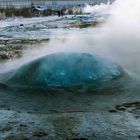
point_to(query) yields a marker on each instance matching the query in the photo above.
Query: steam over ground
(117, 38)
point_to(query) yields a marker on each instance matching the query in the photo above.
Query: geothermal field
(69, 70)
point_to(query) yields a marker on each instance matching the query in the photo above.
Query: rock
(40, 133)
(21, 25)
(6, 128)
(78, 138)
(132, 104)
(112, 110)
(18, 137)
(65, 70)
(23, 125)
(3, 104)
(137, 117)
(121, 108)
(3, 86)
(10, 52)
(126, 106)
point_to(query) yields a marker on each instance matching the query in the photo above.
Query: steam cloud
(118, 39)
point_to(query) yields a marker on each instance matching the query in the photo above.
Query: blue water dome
(65, 70)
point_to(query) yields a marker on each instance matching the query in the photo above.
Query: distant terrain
(19, 3)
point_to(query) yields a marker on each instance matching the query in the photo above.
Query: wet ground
(110, 112)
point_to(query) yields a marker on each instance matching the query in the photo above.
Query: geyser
(65, 70)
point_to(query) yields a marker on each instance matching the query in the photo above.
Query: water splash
(65, 70)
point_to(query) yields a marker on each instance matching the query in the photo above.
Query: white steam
(118, 39)
(102, 8)
(122, 34)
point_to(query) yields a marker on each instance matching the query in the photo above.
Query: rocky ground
(14, 39)
(69, 114)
